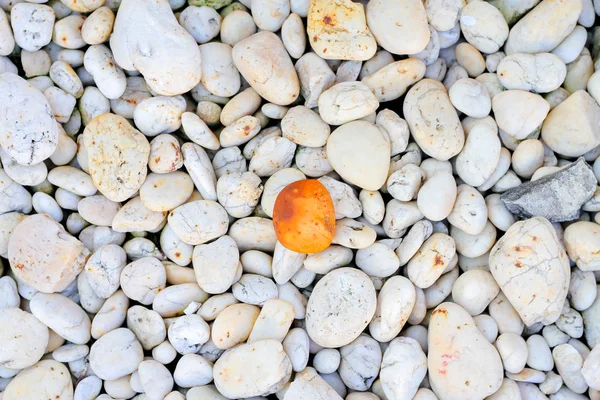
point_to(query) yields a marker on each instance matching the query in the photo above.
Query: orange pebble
(304, 217)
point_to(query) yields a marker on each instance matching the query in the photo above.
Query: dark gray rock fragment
(557, 197)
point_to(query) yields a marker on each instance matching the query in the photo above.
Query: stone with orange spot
(304, 217)
(431, 260)
(532, 269)
(44, 255)
(338, 30)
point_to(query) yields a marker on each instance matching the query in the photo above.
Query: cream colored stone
(170, 62)
(118, 156)
(256, 57)
(338, 30)
(44, 255)
(519, 113)
(578, 113)
(433, 121)
(456, 354)
(399, 27)
(534, 278)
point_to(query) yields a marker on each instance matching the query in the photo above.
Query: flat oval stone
(578, 113)
(341, 306)
(199, 221)
(264, 63)
(216, 264)
(63, 316)
(559, 18)
(462, 363)
(532, 269)
(116, 354)
(400, 27)
(170, 61)
(433, 120)
(118, 156)
(359, 152)
(338, 30)
(44, 255)
(257, 369)
(30, 130)
(21, 330)
(540, 73)
(47, 379)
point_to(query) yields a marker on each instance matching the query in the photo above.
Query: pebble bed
(299, 199)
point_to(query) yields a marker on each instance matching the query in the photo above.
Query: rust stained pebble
(304, 217)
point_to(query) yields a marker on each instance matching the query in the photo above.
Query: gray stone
(557, 197)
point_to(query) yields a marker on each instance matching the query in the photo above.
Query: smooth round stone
(160, 114)
(480, 156)
(305, 127)
(568, 363)
(456, 349)
(21, 331)
(63, 316)
(345, 102)
(212, 307)
(156, 379)
(470, 211)
(116, 354)
(581, 240)
(327, 361)
(539, 355)
(171, 64)
(199, 221)
(118, 156)
(471, 97)
(428, 264)
(193, 370)
(403, 367)
(70, 352)
(532, 269)
(359, 152)
(256, 56)
(257, 369)
(44, 255)
(399, 27)
(484, 26)
(188, 333)
(340, 307)
(518, 113)
(560, 17)
(513, 351)
(347, 38)
(112, 314)
(143, 279)
(30, 127)
(215, 264)
(147, 325)
(360, 363)
(88, 388)
(134, 216)
(437, 196)
(164, 192)
(540, 73)
(474, 290)
(433, 121)
(395, 303)
(579, 111)
(178, 299)
(233, 325)
(98, 210)
(48, 379)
